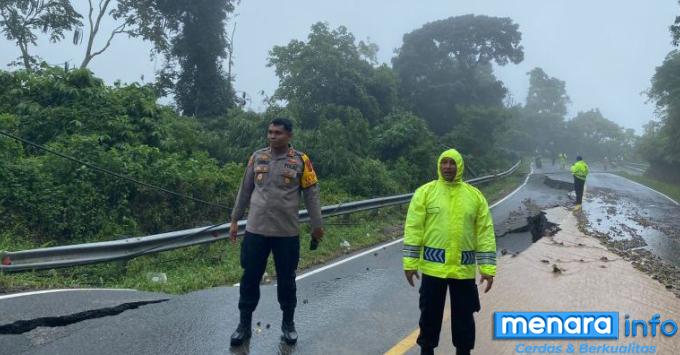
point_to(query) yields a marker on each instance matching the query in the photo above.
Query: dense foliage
(660, 145)
(120, 128)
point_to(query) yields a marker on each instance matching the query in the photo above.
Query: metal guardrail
(639, 165)
(640, 168)
(125, 249)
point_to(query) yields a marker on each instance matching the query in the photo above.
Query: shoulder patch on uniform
(308, 174)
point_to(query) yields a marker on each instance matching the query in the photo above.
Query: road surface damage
(23, 326)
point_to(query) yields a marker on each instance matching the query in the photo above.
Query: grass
(217, 264)
(671, 190)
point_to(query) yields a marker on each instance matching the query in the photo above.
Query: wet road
(362, 306)
(631, 215)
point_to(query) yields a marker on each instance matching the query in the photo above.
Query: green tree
(21, 20)
(665, 135)
(547, 95)
(120, 128)
(675, 30)
(332, 69)
(201, 86)
(405, 143)
(545, 111)
(594, 136)
(477, 134)
(447, 64)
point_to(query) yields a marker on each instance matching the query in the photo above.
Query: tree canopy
(331, 68)
(661, 142)
(22, 20)
(447, 64)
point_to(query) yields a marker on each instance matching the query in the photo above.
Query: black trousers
(464, 302)
(578, 187)
(255, 251)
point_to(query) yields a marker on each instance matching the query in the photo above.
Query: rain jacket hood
(448, 231)
(460, 165)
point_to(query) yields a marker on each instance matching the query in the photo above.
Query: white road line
(531, 172)
(15, 295)
(649, 188)
(316, 271)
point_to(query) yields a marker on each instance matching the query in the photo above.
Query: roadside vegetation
(217, 264)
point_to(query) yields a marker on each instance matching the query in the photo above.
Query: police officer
(580, 172)
(448, 234)
(274, 179)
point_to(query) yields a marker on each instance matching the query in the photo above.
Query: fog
(605, 50)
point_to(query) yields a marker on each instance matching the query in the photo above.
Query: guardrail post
(122, 265)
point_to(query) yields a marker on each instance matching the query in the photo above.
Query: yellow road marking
(409, 342)
(405, 344)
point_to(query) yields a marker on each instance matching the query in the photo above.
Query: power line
(109, 172)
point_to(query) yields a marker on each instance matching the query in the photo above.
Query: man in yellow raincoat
(580, 172)
(448, 234)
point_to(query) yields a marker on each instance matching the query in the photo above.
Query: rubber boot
(289, 335)
(243, 332)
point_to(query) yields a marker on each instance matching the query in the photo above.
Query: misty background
(606, 51)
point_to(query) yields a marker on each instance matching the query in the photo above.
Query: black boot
(426, 351)
(243, 332)
(462, 351)
(290, 335)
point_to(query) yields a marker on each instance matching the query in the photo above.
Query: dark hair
(578, 157)
(283, 122)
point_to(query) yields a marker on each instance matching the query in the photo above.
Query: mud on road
(635, 223)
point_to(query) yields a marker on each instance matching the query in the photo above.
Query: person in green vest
(580, 172)
(448, 235)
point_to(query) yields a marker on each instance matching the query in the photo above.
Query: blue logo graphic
(556, 325)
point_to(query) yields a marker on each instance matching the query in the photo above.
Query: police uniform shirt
(271, 187)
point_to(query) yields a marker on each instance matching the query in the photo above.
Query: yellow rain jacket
(449, 230)
(580, 169)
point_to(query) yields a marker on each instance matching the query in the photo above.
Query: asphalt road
(363, 306)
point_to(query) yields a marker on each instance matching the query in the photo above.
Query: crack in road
(23, 326)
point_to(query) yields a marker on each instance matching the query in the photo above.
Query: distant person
(563, 161)
(274, 179)
(448, 234)
(605, 163)
(538, 161)
(580, 172)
